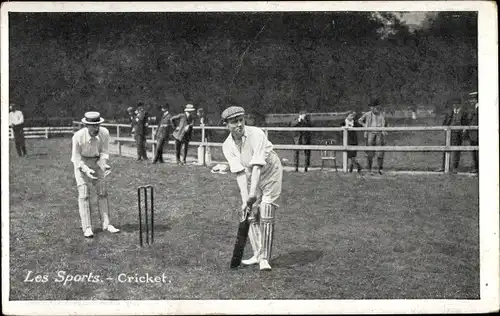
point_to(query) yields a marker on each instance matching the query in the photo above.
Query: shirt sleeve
(104, 154)
(362, 119)
(259, 141)
(235, 165)
(20, 119)
(76, 157)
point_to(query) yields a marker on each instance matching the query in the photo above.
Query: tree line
(65, 64)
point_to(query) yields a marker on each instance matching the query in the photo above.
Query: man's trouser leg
(369, 154)
(267, 213)
(186, 147)
(159, 149)
(22, 142)
(178, 145)
(102, 198)
(84, 206)
(138, 145)
(297, 156)
(254, 233)
(308, 158)
(380, 141)
(475, 155)
(18, 140)
(143, 147)
(456, 140)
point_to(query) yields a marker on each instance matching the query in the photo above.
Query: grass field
(338, 236)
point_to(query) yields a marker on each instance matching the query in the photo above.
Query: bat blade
(241, 240)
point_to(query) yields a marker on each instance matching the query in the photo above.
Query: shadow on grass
(129, 228)
(297, 258)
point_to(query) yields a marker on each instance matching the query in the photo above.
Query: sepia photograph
(249, 157)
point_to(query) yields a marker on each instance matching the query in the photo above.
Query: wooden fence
(344, 147)
(43, 132)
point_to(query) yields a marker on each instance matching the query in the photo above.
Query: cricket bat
(241, 238)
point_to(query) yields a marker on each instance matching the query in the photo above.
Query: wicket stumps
(145, 203)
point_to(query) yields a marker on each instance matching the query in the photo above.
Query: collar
(243, 137)
(349, 123)
(92, 137)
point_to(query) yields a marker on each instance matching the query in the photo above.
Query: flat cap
(231, 112)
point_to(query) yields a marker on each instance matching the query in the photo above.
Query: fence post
(344, 153)
(153, 146)
(117, 131)
(203, 144)
(46, 133)
(447, 155)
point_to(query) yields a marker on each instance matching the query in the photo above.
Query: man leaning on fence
(141, 131)
(302, 138)
(456, 116)
(473, 135)
(374, 118)
(162, 134)
(16, 121)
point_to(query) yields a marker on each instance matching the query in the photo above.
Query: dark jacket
(302, 137)
(455, 119)
(165, 126)
(183, 126)
(352, 136)
(473, 121)
(141, 121)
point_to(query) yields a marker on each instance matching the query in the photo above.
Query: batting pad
(267, 229)
(84, 206)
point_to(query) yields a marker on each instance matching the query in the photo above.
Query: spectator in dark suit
(183, 124)
(456, 116)
(141, 121)
(352, 139)
(302, 138)
(473, 135)
(162, 134)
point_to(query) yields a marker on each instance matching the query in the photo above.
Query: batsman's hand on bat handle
(90, 173)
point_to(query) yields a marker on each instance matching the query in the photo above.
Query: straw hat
(92, 118)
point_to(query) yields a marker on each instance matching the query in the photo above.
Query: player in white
(259, 173)
(90, 159)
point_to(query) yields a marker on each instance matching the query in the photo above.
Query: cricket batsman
(251, 157)
(90, 159)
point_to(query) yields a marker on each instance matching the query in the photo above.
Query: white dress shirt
(16, 118)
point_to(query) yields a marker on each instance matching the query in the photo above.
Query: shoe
(264, 265)
(88, 233)
(111, 229)
(250, 261)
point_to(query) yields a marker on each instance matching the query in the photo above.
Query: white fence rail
(42, 132)
(447, 149)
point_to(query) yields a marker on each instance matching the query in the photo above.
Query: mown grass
(338, 236)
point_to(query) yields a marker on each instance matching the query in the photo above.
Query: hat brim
(92, 123)
(189, 110)
(234, 115)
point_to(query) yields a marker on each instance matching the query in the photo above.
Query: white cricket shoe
(112, 229)
(264, 265)
(250, 261)
(88, 233)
